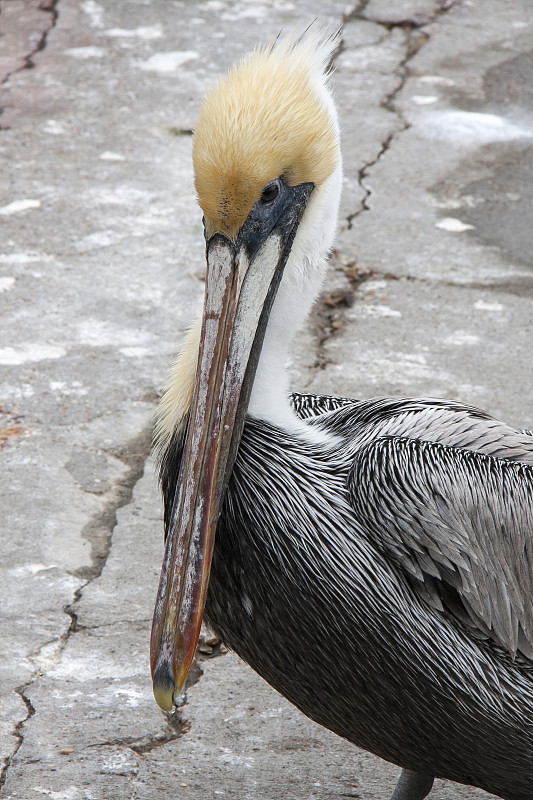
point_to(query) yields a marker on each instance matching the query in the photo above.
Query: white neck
(299, 288)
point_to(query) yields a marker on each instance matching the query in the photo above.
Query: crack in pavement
(416, 37)
(331, 305)
(409, 21)
(18, 731)
(176, 727)
(209, 647)
(49, 6)
(389, 104)
(39, 37)
(134, 455)
(46, 6)
(99, 529)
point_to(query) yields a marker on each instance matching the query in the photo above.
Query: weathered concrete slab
(464, 127)
(101, 262)
(442, 351)
(24, 25)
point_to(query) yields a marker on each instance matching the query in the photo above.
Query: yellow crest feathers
(265, 119)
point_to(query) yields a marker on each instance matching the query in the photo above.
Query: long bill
(241, 283)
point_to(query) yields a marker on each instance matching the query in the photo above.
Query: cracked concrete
(101, 262)
(24, 27)
(411, 19)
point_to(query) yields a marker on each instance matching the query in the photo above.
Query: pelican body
(371, 560)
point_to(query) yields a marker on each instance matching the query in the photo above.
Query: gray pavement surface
(101, 263)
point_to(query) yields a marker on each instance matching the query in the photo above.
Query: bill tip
(163, 687)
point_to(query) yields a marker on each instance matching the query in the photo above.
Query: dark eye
(270, 192)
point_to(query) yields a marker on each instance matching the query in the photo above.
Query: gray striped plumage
(384, 584)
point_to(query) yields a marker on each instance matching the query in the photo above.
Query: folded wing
(460, 523)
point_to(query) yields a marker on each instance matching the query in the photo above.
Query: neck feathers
(176, 401)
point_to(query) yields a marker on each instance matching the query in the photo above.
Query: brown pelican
(393, 536)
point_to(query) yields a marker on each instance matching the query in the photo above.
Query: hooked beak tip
(164, 687)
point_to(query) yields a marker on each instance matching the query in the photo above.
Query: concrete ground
(101, 262)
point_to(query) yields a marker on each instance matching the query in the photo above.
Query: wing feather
(460, 523)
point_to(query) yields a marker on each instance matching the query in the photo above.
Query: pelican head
(267, 172)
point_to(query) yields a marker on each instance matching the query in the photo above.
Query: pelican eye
(270, 192)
